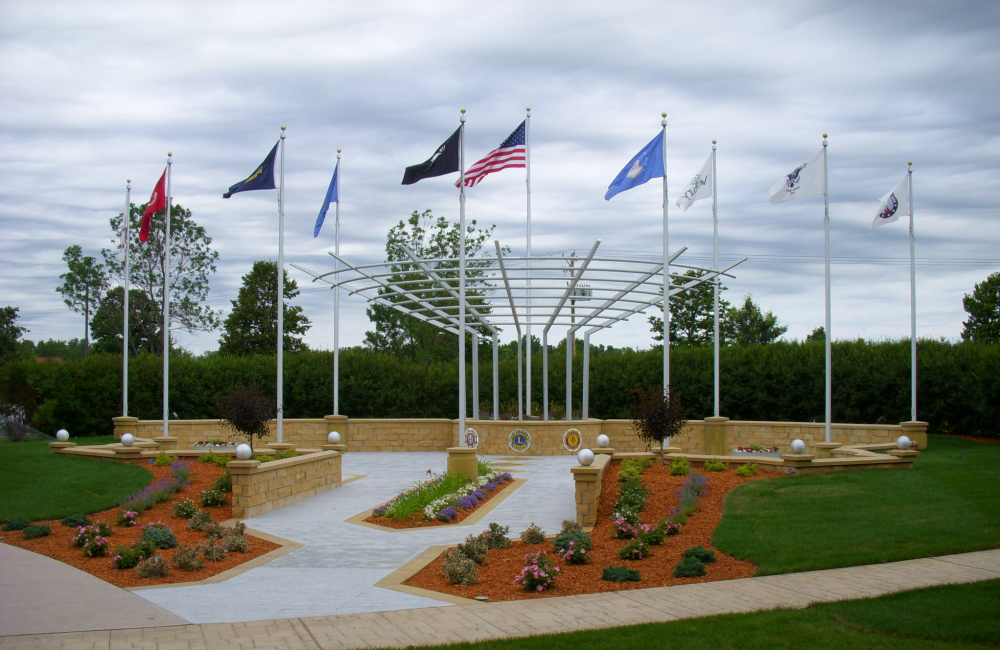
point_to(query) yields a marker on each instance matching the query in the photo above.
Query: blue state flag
(261, 179)
(645, 165)
(332, 196)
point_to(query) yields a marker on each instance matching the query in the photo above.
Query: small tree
(82, 287)
(247, 411)
(983, 307)
(657, 416)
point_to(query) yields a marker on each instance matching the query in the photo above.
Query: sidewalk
(449, 624)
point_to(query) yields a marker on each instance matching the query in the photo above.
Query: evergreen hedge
(959, 384)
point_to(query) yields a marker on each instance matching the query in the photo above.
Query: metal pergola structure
(593, 294)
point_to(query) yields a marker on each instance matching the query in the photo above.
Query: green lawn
(953, 616)
(37, 484)
(948, 503)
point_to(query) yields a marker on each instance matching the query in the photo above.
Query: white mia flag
(701, 187)
(806, 180)
(894, 203)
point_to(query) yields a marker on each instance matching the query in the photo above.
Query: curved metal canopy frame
(593, 293)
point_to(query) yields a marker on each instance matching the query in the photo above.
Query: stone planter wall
(588, 489)
(262, 487)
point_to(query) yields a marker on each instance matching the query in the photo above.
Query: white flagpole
(166, 306)
(715, 267)
(336, 304)
(527, 182)
(281, 290)
(126, 215)
(461, 282)
(666, 270)
(913, 300)
(829, 337)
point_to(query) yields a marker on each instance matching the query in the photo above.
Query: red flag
(157, 202)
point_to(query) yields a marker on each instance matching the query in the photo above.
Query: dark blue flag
(332, 196)
(261, 179)
(646, 164)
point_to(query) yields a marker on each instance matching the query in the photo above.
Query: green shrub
(212, 551)
(263, 458)
(533, 534)
(750, 469)
(474, 548)
(620, 574)
(199, 520)
(159, 535)
(459, 569)
(16, 523)
(213, 530)
(680, 467)
(634, 550)
(689, 567)
(128, 557)
(224, 483)
(654, 536)
(573, 548)
(496, 536)
(34, 532)
(236, 543)
(287, 453)
(76, 521)
(219, 460)
(570, 526)
(186, 558)
(715, 466)
(163, 459)
(212, 497)
(185, 509)
(154, 567)
(700, 553)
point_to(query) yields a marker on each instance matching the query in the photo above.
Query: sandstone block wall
(588, 489)
(262, 487)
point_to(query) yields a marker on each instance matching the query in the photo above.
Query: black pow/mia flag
(444, 161)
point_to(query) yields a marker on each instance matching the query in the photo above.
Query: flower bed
(128, 525)
(757, 450)
(215, 444)
(502, 566)
(460, 499)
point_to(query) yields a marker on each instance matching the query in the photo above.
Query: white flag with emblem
(700, 187)
(805, 180)
(894, 203)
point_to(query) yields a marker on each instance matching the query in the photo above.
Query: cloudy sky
(94, 93)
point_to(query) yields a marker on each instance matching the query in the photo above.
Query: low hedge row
(959, 384)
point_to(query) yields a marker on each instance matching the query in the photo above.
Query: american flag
(510, 153)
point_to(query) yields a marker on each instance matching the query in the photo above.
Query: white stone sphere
(62, 435)
(128, 440)
(798, 446)
(333, 438)
(243, 452)
(586, 457)
(903, 442)
(603, 441)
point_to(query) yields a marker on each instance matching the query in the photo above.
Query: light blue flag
(332, 196)
(645, 165)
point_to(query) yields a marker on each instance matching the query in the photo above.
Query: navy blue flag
(261, 179)
(645, 165)
(332, 196)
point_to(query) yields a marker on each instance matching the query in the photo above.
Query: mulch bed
(496, 577)
(59, 544)
(417, 521)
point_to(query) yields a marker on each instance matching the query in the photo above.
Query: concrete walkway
(436, 625)
(39, 594)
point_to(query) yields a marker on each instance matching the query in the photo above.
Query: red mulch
(496, 577)
(59, 544)
(417, 521)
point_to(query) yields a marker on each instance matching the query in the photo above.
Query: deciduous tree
(983, 307)
(144, 323)
(252, 325)
(83, 285)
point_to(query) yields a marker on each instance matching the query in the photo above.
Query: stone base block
(166, 443)
(463, 461)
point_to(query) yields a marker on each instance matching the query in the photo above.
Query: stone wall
(262, 487)
(588, 489)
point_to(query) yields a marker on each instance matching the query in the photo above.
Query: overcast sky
(94, 93)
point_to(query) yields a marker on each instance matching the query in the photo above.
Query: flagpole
(336, 302)
(461, 282)
(281, 291)
(828, 338)
(913, 300)
(527, 181)
(166, 306)
(666, 270)
(126, 215)
(715, 267)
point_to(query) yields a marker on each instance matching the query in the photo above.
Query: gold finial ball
(338, 151)
(714, 141)
(528, 109)
(909, 162)
(282, 127)
(129, 180)
(824, 135)
(663, 114)
(170, 153)
(463, 110)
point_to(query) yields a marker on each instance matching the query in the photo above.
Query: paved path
(336, 570)
(39, 594)
(435, 625)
